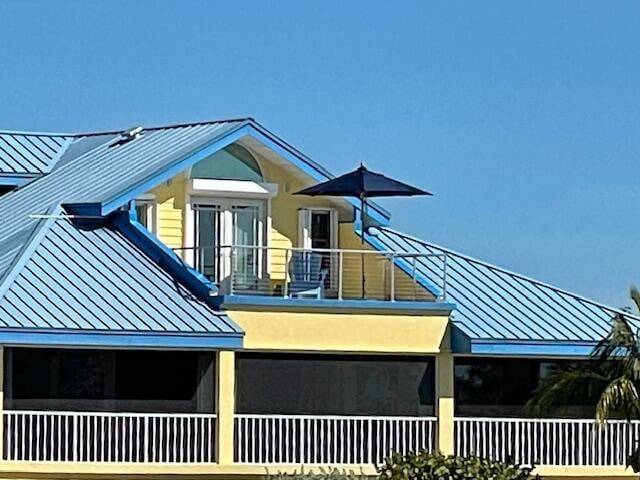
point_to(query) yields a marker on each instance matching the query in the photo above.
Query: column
(1, 402)
(445, 402)
(225, 403)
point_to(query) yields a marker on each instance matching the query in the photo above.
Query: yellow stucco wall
(341, 332)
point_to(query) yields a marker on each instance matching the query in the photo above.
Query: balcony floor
(306, 304)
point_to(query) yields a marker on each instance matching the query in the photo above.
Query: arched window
(234, 162)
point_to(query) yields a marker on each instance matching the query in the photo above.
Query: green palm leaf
(611, 376)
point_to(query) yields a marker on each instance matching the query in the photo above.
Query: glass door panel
(208, 240)
(246, 237)
(323, 237)
(228, 237)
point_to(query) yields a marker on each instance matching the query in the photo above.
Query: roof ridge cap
(201, 122)
(116, 131)
(514, 274)
(28, 133)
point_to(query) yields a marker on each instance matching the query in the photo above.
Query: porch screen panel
(104, 380)
(334, 384)
(501, 387)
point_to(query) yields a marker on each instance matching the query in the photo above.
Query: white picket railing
(108, 437)
(547, 441)
(306, 439)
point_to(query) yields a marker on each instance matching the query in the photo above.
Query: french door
(228, 236)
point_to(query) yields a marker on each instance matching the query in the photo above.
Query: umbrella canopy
(362, 183)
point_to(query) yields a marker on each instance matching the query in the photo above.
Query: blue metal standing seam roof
(24, 153)
(95, 281)
(90, 170)
(494, 304)
(68, 280)
(76, 278)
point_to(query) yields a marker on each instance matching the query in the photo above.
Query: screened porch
(84, 405)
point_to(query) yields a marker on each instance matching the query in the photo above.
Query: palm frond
(635, 296)
(566, 386)
(620, 342)
(619, 396)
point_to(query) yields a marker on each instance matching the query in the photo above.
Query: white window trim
(152, 219)
(239, 189)
(304, 223)
(200, 196)
(304, 233)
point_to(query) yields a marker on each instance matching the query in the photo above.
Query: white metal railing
(320, 272)
(306, 439)
(108, 437)
(547, 441)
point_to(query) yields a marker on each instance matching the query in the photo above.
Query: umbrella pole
(363, 214)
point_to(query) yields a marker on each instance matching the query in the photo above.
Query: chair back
(305, 266)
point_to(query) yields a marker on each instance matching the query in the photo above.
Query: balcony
(338, 274)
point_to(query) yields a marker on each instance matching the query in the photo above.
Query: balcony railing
(307, 439)
(100, 437)
(547, 441)
(341, 274)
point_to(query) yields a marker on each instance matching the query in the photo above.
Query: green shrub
(322, 474)
(424, 465)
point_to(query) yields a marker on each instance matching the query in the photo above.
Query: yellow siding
(377, 269)
(278, 268)
(170, 197)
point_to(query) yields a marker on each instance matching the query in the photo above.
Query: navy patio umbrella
(363, 184)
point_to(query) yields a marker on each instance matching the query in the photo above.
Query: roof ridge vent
(128, 135)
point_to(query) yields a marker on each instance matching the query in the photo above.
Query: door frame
(304, 236)
(225, 193)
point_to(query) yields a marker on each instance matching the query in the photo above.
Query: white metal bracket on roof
(127, 135)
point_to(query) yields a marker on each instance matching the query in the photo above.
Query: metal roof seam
(473, 302)
(10, 155)
(552, 301)
(117, 277)
(477, 276)
(111, 295)
(34, 291)
(149, 276)
(515, 274)
(462, 305)
(98, 301)
(508, 304)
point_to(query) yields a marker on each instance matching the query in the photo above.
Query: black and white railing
(324, 439)
(563, 442)
(99, 437)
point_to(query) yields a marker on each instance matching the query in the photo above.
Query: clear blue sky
(522, 117)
